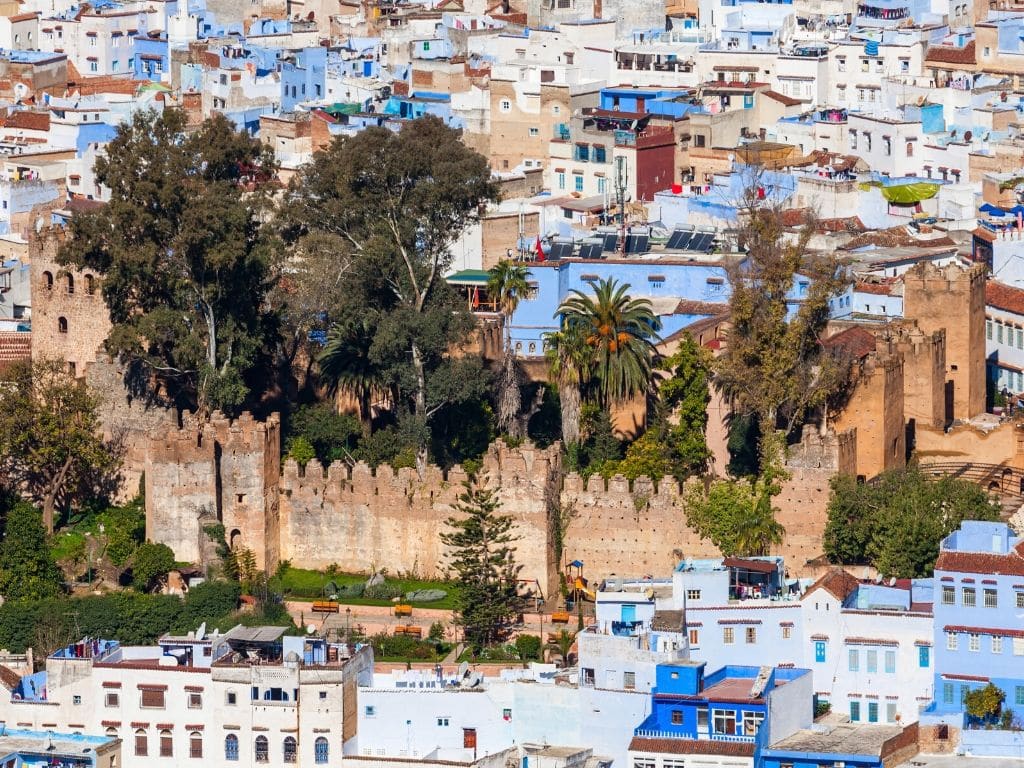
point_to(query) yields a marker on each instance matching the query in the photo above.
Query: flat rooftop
(731, 688)
(845, 739)
(960, 761)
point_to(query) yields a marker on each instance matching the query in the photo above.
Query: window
(62, 327)
(166, 744)
(231, 699)
(1018, 646)
(951, 643)
(561, 180)
(600, 185)
(970, 597)
(999, 332)
(76, 700)
(947, 693)
(841, 63)
(262, 749)
(699, 140)
(987, 51)
(115, 65)
(854, 660)
(588, 677)
(819, 651)
(141, 743)
(195, 744)
(723, 721)
(974, 642)
(231, 747)
(505, 105)
(872, 664)
(923, 656)
(854, 711)
(948, 595)
(890, 711)
(629, 680)
(694, 638)
(152, 698)
(991, 598)
(787, 633)
(677, 717)
(535, 132)
(872, 711)
(93, 66)
(577, 182)
(321, 751)
(442, 722)
(751, 635)
(289, 749)
(370, 711)
(112, 699)
(988, 335)
(728, 635)
(997, 644)
(1020, 599)
(693, 594)
(90, 285)
(1018, 695)
(48, 280)
(195, 701)
(751, 722)
(910, 149)
(886, 144)
(890, 662)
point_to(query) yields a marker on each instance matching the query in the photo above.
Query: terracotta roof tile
(9, 679)
(981, 562)
(838, 582)
(1004, 297)
(858, 343)
(786, 101)
(948, 54)
(692, 747)
(28, 121)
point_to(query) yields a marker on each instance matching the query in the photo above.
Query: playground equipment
(577, 584)
(402, 609)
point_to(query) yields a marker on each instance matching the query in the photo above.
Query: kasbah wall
(361, 520)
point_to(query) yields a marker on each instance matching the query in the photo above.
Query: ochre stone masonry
(361, 519)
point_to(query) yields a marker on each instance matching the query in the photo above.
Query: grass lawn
(304, 583)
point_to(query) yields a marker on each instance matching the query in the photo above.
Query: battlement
(833, 451)
(951, 277)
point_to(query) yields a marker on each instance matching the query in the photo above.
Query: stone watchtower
(219, 471)
(953, 298)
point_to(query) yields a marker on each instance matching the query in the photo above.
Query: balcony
(644, 733)
(561, 132)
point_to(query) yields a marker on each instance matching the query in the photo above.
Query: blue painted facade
(979, 616)
(780, 758)
(303, 79)
(152, 58)
(50, 750)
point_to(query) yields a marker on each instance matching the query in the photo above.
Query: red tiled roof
(980, 562)
(974, 678)
(984, 630)
(871, 641)
(1004, 297)
(948, 54)
(858, 343)
(838, 582)
(9, 679)
(880, 289)
(783, 99)
(692, 747)
(28, 121)
(690, 307)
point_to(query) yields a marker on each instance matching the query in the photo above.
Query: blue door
(628, 613)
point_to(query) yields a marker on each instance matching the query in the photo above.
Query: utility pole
(621, 179)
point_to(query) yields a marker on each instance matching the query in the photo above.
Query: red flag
(540, 250)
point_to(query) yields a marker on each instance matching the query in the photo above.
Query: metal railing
(998, 478)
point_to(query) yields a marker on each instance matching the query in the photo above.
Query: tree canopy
(897, 522)
(185, 256)
(50, 442)
(27, 570)
(391, 205)
(736, 515)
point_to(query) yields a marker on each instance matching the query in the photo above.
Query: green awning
(910, 193)
(469, 277)
(343, 108)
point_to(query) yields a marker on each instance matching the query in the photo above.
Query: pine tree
(482, 557)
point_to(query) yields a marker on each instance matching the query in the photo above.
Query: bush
(301, 450)
(150, 563)
(985, 704)
(382, 592)
(528, 647)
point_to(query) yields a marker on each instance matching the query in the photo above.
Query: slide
(581, 586)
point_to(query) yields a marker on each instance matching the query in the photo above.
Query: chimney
(597, 9)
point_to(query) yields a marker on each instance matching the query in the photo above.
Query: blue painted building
(734, 711)
(847, 745)
(152, 60)
(303, 77)
(979, 616)
(45, 749)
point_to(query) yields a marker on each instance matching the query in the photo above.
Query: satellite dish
(310, 629)
(201, 632)
(463, 669)
(968, 135)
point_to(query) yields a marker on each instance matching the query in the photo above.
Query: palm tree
(758, 531)
(563, 644)
(345, 364)
(507, 286)
(569, 360)
(620, 332)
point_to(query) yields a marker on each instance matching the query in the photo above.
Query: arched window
(290, 748)
(112, 733)
(321, 751)
(71, 283)
(195, 744)
(48, 280)
(62, 325)
(262, 749)
(90, 285)
(231, 747)
(166, 744)
(141, 743)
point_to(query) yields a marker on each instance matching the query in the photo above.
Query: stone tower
(953, 298)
